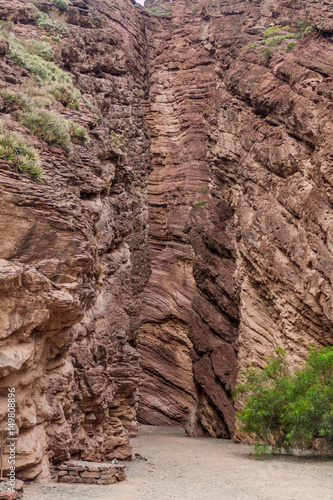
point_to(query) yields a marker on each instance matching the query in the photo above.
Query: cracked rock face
(190, 238)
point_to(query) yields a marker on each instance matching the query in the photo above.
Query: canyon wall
(240, 202)
(189, 238)
(73, 245)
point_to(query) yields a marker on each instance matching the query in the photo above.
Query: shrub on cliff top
(290, 411)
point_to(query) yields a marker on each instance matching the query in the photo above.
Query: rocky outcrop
(71, 243)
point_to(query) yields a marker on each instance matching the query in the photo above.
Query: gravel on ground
(182, 468)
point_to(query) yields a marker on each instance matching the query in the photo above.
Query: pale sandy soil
(180, 468)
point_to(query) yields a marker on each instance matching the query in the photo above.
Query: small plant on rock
(14, 149)
(51, 127)
(79, 134)
(290, 46)
(62, 4)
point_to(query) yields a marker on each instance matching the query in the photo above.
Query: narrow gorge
(181, 225)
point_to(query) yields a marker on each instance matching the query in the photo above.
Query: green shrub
(62, 4)
(273, 30)
(34, 47)
(12, 101)
(79, 134)
(276, 40)
(251, 45)
(267, 54)
(304, 27)
(14, 149)
(290, 411)
(50, 126)
(40, 69)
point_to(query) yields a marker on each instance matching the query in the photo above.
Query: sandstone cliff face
(236, 137)
(73, 251)
(240, 203)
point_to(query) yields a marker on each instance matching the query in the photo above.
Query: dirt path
(179, 468)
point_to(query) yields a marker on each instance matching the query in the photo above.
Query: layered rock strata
(240, 201)
(73, 251)
(236, 126)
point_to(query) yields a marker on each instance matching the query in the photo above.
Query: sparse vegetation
(288, 410)
(12, 101)
(62, 4)
(50, 126)
(40, 69)
(79, 134)
(304, 27)
(251, 45)
(115, 139)
(201, 203)
(267, 54)
(51, 25)
(14, 149)
(66, 94)
(290, 46)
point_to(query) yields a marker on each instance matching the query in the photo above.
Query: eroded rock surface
(240, 201)
(71, 243)
(236, 137)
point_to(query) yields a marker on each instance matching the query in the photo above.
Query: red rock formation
(72, 242)
(240, 202)
(254, 271)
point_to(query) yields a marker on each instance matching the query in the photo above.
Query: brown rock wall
(71, 244)
(237, 139)
(256, 258)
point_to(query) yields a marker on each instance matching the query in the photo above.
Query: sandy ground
(180, 468)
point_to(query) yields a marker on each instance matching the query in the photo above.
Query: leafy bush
(251, 45)
(273, 30)
(304, 27)
(40, 69)
(267, 54)
(14, 149)
(34, 47)
(12, 101)
(287, 411)
(79, 133)
(50, 126)
(276, 40)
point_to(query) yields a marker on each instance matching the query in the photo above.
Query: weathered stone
(90, 474)
(8, 495)
(67, 479)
